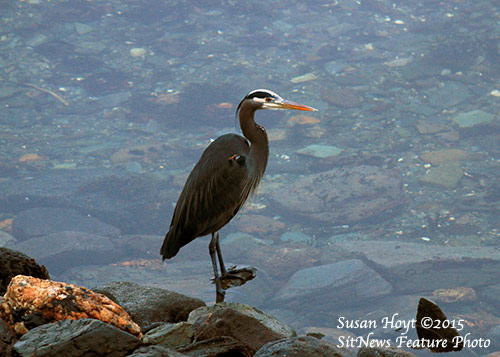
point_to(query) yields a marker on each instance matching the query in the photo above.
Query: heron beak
(287, 104)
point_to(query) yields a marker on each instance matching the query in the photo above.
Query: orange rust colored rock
(32, 158)
(459, 294)
(6, 224)
(51, 301)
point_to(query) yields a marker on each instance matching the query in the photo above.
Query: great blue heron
(229, 170)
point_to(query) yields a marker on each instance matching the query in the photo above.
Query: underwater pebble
(297, 237)
(137, 52)
(446, 175)
(82, 29)
(320, 151)
(443, 156)
(495, 93)
(473, 118)
(304, 78)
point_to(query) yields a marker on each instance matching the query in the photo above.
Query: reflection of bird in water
(229, 170)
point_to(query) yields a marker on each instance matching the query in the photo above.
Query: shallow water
(106, 107)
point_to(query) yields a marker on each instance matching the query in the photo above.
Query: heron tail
(171, 244)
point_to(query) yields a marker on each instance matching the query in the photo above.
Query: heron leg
(219, 255)
(213, 249)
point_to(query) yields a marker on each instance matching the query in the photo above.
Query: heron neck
(256, 134)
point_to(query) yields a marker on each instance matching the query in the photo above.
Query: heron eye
(268, 99)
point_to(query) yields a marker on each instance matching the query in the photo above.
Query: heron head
(267, 99)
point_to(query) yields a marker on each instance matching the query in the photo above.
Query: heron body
(215, 190)
(228, 172)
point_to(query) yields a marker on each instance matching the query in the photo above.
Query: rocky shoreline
(41, 317)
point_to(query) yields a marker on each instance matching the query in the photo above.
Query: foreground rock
(413, 267)
(303, 346)
(146, 305)
(7, 338)
(347, 282)
(84, 337)
(232, 328)
(343, 195)
(383, 352)
(30, 302)
(226, 321)
(16, 263)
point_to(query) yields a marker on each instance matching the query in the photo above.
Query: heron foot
(237, 276)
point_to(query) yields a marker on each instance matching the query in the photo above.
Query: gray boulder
(303, 346)
(147, 305)
(84, 337)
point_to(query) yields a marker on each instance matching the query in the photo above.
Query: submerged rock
(46, 220)
(30, 302)
(446, 175)
(473, 118)
(414, 267)
(331, 286)
(16, 263)
(320, 151)
(63, 250)
(342, 195)
(84, 337)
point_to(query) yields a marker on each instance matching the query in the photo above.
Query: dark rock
(330, 286)
(416, 267)
(147, 304)
(303, 346)
(63, 250)
(7, 339)
(383, 352)
(436, 334)
(84, 337)
(155, 351)
(217, 346)
(229, 322)
(114, 196)
(170, 335)
(343, 195)
(14, 263)
(270, 322)
(44, 220)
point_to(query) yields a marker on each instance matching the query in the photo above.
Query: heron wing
(213, 191)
